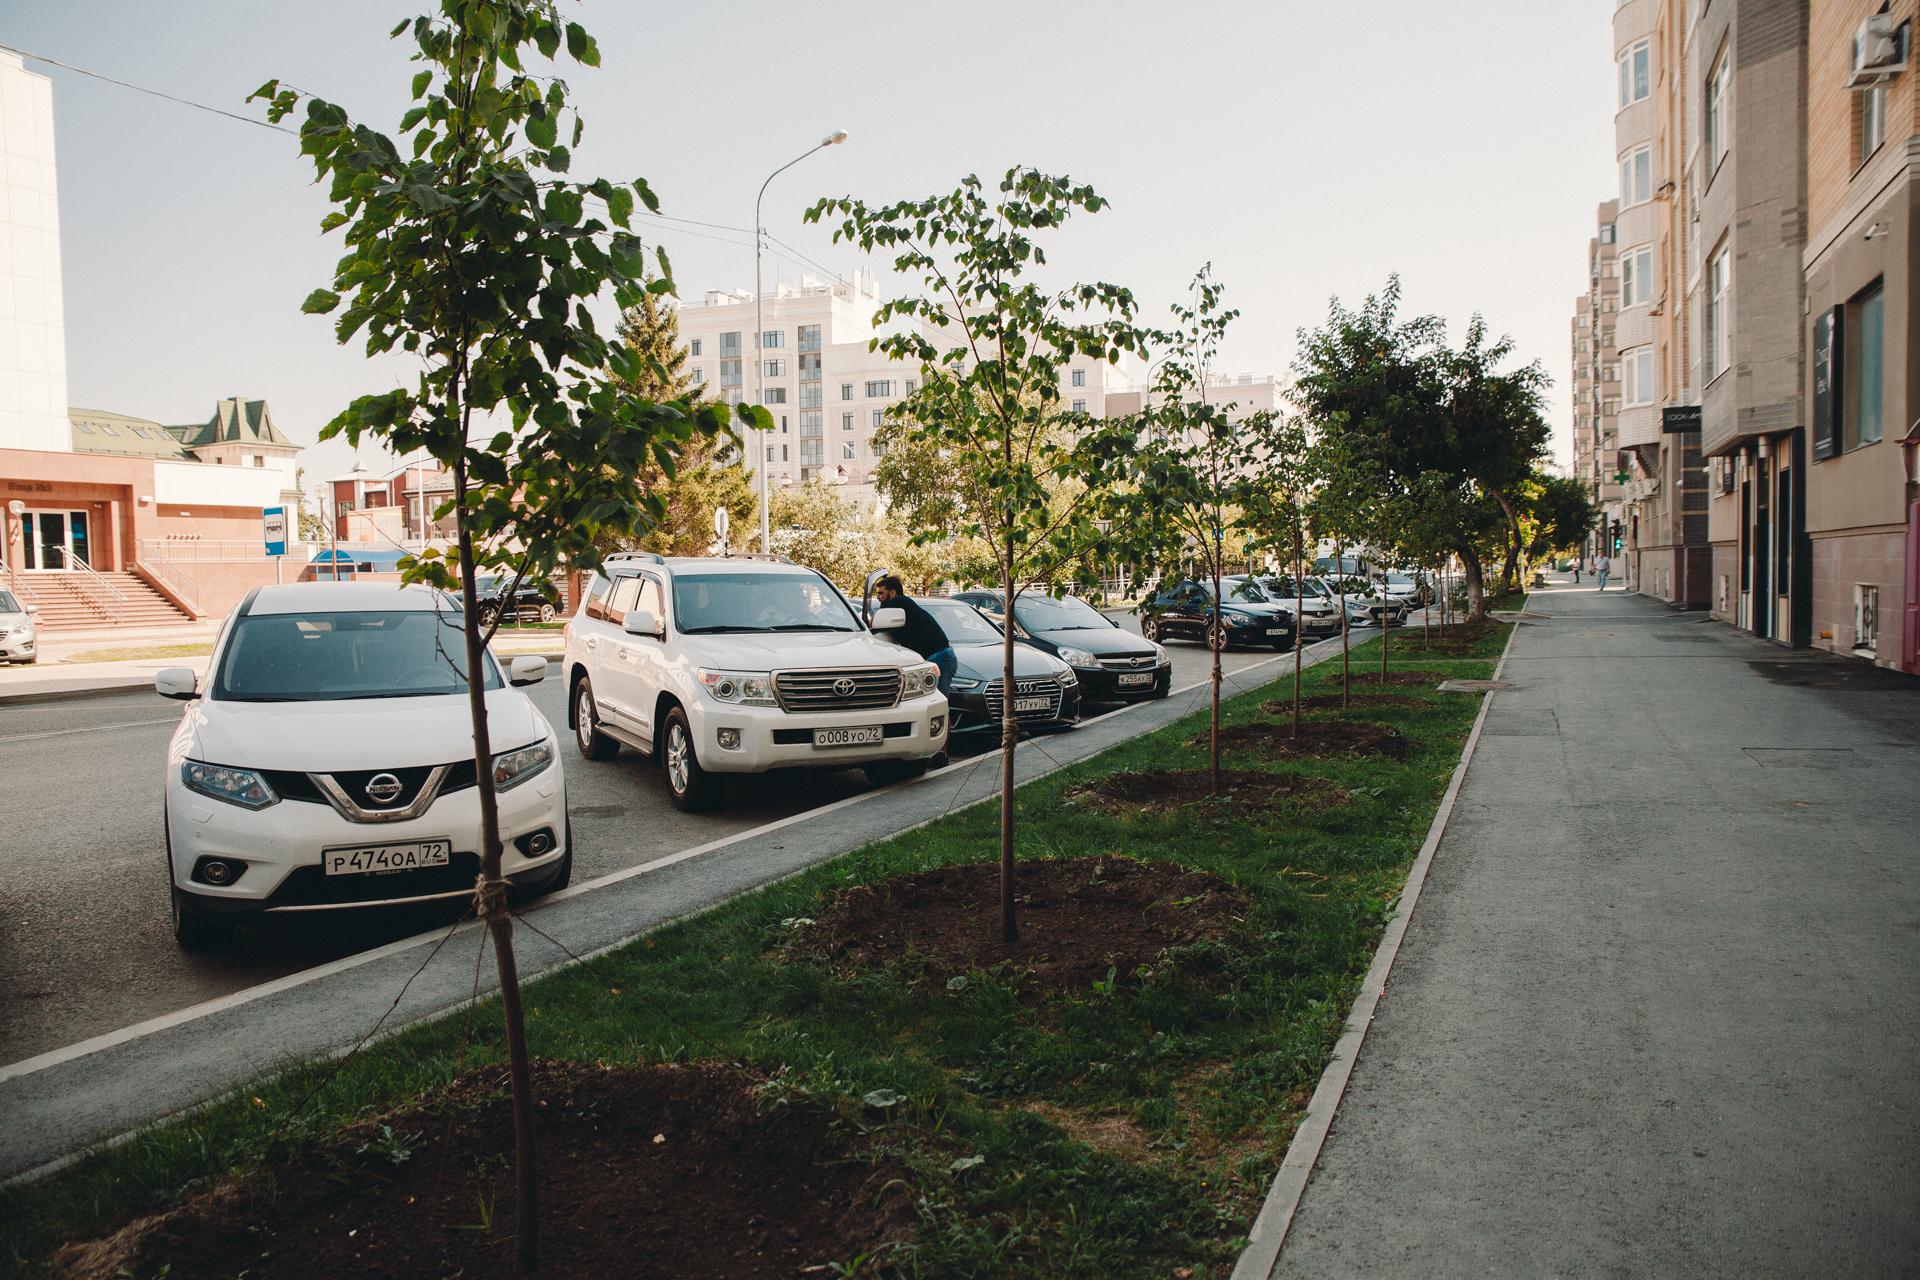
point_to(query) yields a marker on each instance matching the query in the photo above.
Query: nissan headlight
(511, 768)
(917, 682)
(243, 787)
(738, 688)
(1076, 657)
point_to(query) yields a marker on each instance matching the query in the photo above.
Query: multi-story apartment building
(1861, 398)
(1597, 457)
(828, 393)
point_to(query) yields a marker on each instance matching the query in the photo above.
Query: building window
(730, 373)
(811, 453)
(810, 365)
(1636, 177)
(849, 452)
(259, 460)
(1635, 74)
(695, 348)
(882, 387)
(106, 430)
(1717, 342)
(846, 391)
(1871, 107)
(774, 368)
(912, 386)
(1079, 377)
(784, 457)
(1863, 400)
(773, 338)
(809, 424)
(846, 422)
(730, 395)
(697, 376)
(1606, 233)
(769, 453)
(1079, 406)
(879, 418)
(730, 344)
(1719, 85)
(1636, 277)
(1637, 385)
(776, 395)
(809, 337)
(809, 395)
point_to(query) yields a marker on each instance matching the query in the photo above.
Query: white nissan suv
(742, 665)
(329, 762)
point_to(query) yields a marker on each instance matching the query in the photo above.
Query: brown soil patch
(1454, 640)
(644, 1171)
(1109, 1132)
(1331, 701)
(1079, 919)
(1317, 738)
(1404, 679)
(1245, 791)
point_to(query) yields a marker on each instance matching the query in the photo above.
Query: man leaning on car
(920, 633)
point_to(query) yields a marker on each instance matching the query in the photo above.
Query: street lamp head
(834, 139)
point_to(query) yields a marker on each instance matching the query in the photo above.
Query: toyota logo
(383, 788)
(844, 687)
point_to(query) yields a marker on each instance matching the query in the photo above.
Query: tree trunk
(1476, 583)
(1216, 641)
(1299, 621)
(1346, 638)
(1511, 551)
(492, 901)
(1009, 736)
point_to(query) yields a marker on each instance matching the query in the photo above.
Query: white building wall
(208, 485)
(33, 346)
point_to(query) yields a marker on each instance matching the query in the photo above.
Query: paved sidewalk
(1658, 1010)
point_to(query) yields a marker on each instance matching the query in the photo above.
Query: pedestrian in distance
(1578, 561)
(1601, 568)
(920, 632)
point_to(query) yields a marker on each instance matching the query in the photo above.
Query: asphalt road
(84, 943)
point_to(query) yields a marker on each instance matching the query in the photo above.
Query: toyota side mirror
(527, 670)
(889, 619)
(641, 622)
(177, 682)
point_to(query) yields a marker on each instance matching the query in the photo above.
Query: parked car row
(326, 760)
(1260, 609)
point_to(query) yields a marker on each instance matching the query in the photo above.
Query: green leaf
(542, 130)
(266, 90)
(581, 47)
(421, 81)
(402, 26)
(319, 302)
(332, 220)
(620, 205)
(645, 192)
(546, 39)
(413, 117)
(559, 159)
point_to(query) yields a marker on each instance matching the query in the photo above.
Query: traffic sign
(274, 522)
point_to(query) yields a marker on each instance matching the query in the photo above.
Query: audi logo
(844, 687)
(383, 788)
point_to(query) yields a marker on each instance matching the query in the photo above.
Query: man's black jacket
(921, 633)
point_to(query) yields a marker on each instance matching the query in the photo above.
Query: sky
(1306, 149)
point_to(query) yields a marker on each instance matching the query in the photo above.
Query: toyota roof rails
(761, 555)
(651, 557)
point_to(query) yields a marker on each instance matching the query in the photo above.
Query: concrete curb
(1269, 1233)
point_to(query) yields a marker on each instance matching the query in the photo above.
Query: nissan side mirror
(889, 619)
(641, 622)
(33, 608)
(527, 670)
(177, 682)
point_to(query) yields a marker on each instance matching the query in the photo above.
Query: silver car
(19, 629)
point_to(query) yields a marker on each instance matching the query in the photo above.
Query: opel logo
(844, 687)
(383, 788)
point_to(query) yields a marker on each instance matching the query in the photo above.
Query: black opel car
(1114, 665)
(1046, 692)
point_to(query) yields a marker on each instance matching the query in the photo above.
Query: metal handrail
(175, 550)
(172, 579)
(11, 578)
(95, 575)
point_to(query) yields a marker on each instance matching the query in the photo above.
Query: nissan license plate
(1032, 704)
(864, 735)
(1135, 680)
(374, 858)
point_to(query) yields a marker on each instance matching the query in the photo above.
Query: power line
(138, 88)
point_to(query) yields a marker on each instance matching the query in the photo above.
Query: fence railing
(171, 578)
(186, 550)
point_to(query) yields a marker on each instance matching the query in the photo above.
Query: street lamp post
(759, 324)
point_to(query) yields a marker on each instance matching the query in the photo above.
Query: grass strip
(1129, 1129)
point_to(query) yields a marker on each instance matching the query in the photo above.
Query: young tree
(990, 393)
(1191, 473)
(1559, 511)
(469, 248)
(1275, 504)
(1496, 428)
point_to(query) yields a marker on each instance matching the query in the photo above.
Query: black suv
(1113, 664)
(532, 600)
(1185, 611)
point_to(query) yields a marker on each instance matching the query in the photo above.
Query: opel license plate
(375, 858)
(1135, 680)
(1032, 704)
(863, 735)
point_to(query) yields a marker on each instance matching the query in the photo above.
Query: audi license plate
(1032, 704)
(1135, 680)
(375, 858)
(864, 735)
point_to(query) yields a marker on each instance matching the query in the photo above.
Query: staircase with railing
(80, 597)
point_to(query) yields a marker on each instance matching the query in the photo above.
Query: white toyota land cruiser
(743, 665)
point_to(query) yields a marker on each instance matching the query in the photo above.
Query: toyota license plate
(1135, 680)
(375, 858)
(1032, 704)
(865, 735)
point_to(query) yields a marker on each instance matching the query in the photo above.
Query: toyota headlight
(1076, 657)
(738, 688)
(243, 787)
(916, 682)
(511, 768)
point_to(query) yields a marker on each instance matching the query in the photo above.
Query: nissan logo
(844, 687)
(383, 788)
